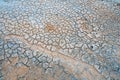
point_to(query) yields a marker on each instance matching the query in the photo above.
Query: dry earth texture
(59, 39)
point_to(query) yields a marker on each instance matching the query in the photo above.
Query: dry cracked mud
(59, 39)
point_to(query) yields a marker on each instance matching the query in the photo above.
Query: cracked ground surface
(59, 40)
